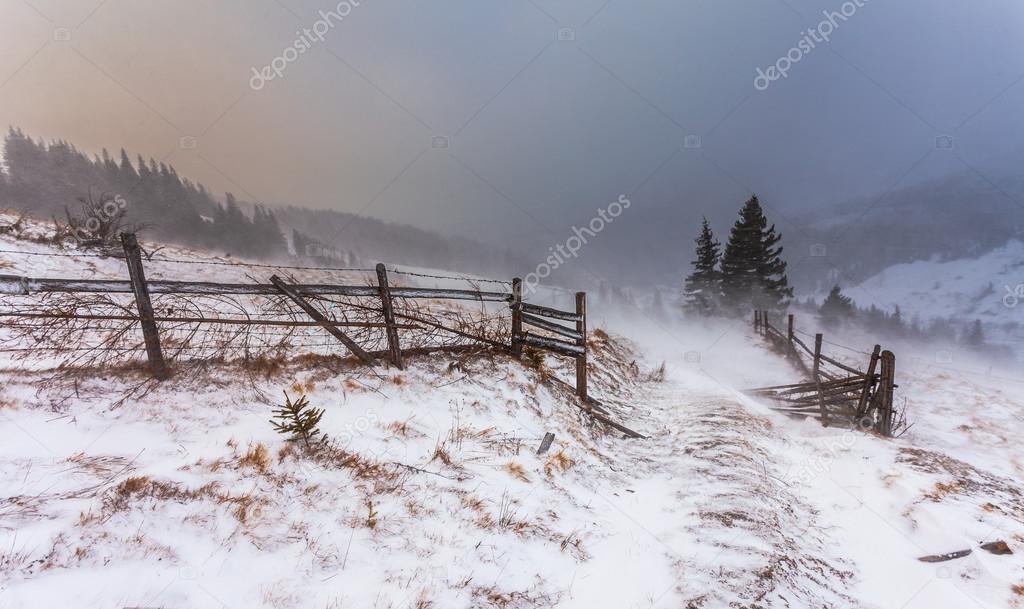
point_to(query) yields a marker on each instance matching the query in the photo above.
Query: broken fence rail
(863, 397)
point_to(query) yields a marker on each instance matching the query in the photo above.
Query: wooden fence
(835, 392)
(545, 334)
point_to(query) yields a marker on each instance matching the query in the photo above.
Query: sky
(513, 120)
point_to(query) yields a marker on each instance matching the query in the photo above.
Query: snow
(985, 287)
(434, 496)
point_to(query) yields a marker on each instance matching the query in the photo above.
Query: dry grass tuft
(517, 471)
(559, 462)
(441, 454)
(256, 458)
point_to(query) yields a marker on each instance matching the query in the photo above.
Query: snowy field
(432, 494)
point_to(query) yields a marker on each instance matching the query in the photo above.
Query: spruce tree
(702, 289)
(975, 336)
(836, 307)
(753, 272)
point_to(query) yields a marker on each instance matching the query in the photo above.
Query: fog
(510, 122)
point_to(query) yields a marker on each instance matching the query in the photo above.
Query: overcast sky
(542, 128)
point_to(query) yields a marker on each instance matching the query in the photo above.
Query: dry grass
(441, 454)
(256, 457)
(517, 471)
(558, 462)
(137, 488)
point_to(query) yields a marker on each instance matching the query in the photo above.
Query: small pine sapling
(297, 419)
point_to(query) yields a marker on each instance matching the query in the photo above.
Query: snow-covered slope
(430, 492)
(989, 287)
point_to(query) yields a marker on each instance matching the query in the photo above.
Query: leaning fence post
(517, 316)
(888, 376)
(581, 360)
(394, 347)
(869, 381)
(150, 333)
(815, 372)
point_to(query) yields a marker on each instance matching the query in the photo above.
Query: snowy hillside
(989, 287)
(430, 492)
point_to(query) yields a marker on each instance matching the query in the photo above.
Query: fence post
(817, 378)
(869, 381)
(150, 333)
(394, 347)
(517, 316)
(757, 321)
(888, 377)
(581, 360)
(789, 335)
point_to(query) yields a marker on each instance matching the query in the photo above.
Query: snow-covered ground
(432, 494)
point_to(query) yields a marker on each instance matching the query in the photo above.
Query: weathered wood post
(394, 347)
(888, 378)
(869, 381)
(581, 360)
(319, 318)
(517, 316)
(790, 333)
(815, 372)
(150, 333)
(757, 321)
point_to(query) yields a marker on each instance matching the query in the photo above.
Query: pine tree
(753, 272)
(702, 289)
(297, 419)
(975, 337)
(836, 307)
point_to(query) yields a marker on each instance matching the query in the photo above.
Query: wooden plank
(549, 312)
(17, 285)
(517, 316)
(581, 360)
(545, 444)
(552, 344)
(869, 380)
(394, 347)
(150, 333)
(550, 326)
(840, 365)
(803, 345)
(291, 293)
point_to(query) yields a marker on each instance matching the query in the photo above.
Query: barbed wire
(462, 278)
(82, 255)
(834, 344)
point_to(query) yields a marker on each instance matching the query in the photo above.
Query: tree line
(47, 178)
(750, 274)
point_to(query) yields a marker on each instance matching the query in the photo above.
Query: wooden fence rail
(545, 333)
(842, 392)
